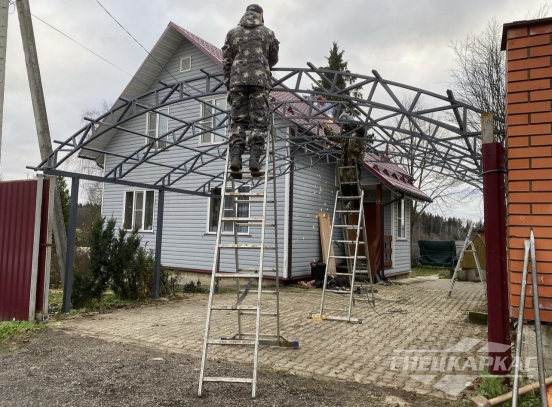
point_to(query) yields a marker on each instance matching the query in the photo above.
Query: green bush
(92, 269)
(116, 261)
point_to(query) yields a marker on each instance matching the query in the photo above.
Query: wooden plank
(325, 229)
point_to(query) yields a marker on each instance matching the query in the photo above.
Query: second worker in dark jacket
(249, 51)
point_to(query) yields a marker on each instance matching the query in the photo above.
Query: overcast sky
(406, 41)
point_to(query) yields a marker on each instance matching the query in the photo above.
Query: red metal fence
(23, 248)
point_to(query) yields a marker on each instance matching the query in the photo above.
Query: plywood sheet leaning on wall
(325, 230)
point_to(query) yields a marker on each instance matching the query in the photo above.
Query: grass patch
(428, 271)
(12, 329)
(108, 302)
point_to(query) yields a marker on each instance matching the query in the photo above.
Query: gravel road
(56, 369)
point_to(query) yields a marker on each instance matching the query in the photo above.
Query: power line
(138, 42)
(83, 46)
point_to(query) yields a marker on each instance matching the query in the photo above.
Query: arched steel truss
(410, 126)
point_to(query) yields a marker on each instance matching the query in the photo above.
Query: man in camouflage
(249, 51)
(352, 140)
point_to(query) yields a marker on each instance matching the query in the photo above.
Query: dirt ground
(56, 369)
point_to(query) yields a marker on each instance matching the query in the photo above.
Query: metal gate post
(158, 241)
(494, 198)
(71, 235)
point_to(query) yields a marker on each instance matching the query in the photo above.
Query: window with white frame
(242, 211)
(213, 113)
(138, 212)
(157, 124)
(401, 219)
(186, 64)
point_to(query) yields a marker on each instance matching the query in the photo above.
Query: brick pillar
(528, 46)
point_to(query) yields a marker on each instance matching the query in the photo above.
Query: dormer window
(185, 64)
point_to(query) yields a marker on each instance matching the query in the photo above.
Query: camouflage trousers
(249, 111)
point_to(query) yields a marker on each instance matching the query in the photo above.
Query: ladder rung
(349, 227)
(349, 197)
(237, 275)
(254, 201)
(230, 342)
(232, 219)
(233, 308)
(348, 183)
(347, 166)
(245, 246)
(244, 194)
(263, 291)
(256, 270)
(228, 379)
(255, 225)
(348, 211)
(343, 274)
(346, 241)
(262, 171)
(268, 314)
(348, 257)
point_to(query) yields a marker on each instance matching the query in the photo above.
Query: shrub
(92, 268)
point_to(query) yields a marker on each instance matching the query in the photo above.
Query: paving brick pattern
(359, 352)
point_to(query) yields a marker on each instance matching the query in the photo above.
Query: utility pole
(4, 6)
(41, 121)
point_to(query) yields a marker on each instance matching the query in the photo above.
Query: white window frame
(213, 138)
(157, 130)
(208, 230)
(401, 216)
(189, 57)
(133, 221)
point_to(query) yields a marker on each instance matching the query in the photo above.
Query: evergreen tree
(337, 63)
(65, 199)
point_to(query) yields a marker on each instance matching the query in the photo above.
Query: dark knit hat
(255, 7)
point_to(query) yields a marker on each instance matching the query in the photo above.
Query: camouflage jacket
(249, 51)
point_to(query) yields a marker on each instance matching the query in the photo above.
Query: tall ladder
(245, 339)
(341, 220)
(467, 248)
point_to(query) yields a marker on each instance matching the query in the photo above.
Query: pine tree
(336, 63)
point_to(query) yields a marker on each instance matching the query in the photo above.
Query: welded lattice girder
(410, 126)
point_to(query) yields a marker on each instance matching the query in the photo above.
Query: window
(139, 210)
(241, 212)
(185, 64)
(156, 125)
(207, 112)
(401, 220)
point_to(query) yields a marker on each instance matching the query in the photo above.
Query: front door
(372, 217)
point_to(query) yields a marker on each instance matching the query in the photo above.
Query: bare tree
(438, 184)
(91, 190)
(480, 78)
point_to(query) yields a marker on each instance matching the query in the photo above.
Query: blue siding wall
(186, 241)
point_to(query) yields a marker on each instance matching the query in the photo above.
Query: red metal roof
(393, 176)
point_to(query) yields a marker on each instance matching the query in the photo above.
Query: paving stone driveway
(360, 352)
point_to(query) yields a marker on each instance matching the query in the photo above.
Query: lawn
(12, 329)
(430, 271)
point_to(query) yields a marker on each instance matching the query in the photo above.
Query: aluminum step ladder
(246, 339)
(342, 220)
(467, 248)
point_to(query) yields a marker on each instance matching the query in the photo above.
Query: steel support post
(71, 235)
(494, 198)
(158, 242)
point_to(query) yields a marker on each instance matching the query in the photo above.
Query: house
(190, 222)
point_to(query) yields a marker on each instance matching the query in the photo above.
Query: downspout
(290, 217)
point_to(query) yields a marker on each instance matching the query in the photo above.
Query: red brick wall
(529, 155)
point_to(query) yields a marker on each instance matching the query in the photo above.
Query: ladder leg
(458, 264)
(276, 242)
(328, 258)
(216, 261)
